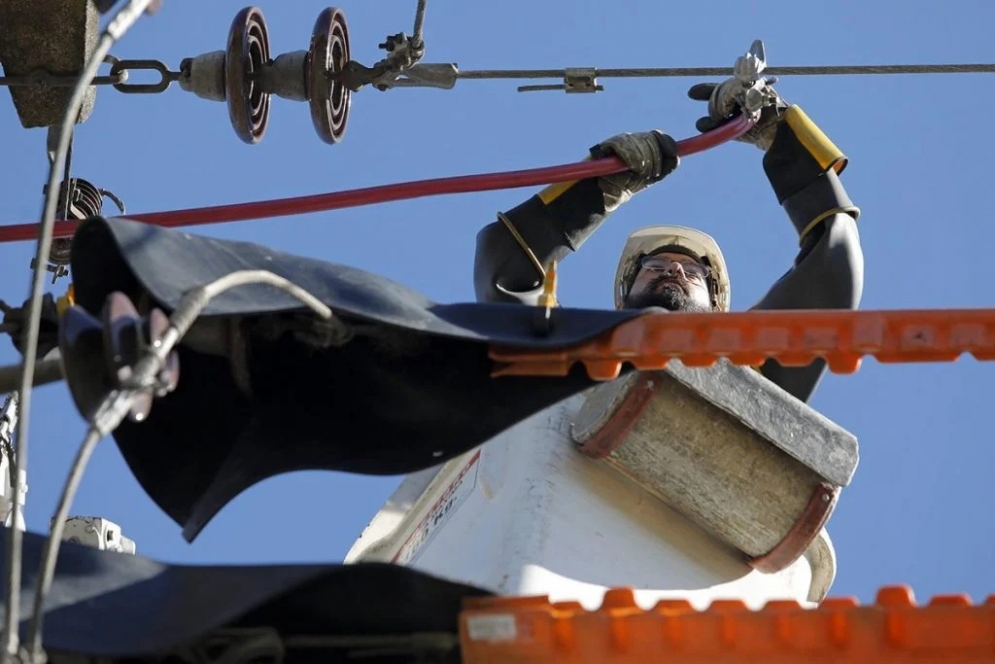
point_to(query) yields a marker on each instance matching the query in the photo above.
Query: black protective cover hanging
(109, 604)
(412, 390)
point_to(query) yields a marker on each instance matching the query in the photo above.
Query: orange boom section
(793, 337)
(893, 629)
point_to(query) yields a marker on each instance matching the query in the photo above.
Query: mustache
(659, 281)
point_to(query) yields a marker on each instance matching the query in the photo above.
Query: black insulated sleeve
(788, 165)
(504, 271)
(817, 200)
(828, 274)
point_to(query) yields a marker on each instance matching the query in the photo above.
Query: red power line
(392, 192)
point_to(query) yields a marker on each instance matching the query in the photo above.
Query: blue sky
(917, 511)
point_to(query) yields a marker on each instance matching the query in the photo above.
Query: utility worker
(679, 268)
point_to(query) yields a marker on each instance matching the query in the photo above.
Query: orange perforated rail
(793, 337)
(893, 629)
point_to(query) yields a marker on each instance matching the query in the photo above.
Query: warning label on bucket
(457, 491)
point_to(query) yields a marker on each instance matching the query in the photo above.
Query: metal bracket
(441, 76)
(575, 80)
(581, 80)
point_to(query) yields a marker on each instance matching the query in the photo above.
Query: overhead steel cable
(651, 72)
(418, 38)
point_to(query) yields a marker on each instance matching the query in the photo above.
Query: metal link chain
(118, 77)
(44, 79)
(166, 76)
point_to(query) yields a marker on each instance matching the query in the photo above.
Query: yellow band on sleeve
(849, 209)
(814, 140)
(554, 191)
(557, 189)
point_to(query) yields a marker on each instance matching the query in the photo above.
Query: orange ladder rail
(793, 337)
(533, 630)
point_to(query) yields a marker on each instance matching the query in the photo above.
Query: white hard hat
(657, 238)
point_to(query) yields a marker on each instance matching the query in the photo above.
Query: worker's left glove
(797, 153)
(723, 106)
(650, 156)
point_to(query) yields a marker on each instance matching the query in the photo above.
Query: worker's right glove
(650, 156)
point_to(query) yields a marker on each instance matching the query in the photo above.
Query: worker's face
(670, 280)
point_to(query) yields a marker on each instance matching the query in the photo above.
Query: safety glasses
(692, 268)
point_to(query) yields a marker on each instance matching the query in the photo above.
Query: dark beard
(665, 292)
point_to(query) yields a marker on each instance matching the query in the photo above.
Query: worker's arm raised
(512, 251)
(803, 167)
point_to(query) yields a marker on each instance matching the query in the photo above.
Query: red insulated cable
(392, 192)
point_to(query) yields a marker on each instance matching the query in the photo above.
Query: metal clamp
(575, 80)
(400, 66)
(402, 52)
(441, 76)
(756, 92)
